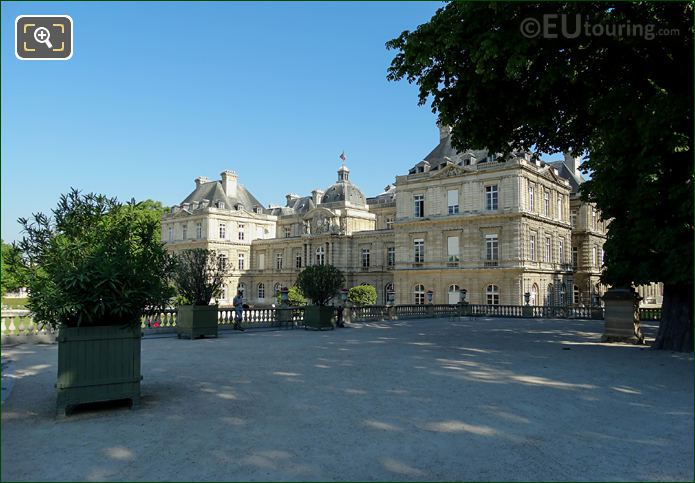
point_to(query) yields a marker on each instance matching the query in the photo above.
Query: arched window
(563, 292)
(389, 294)
(241, 288)
(549, 295)
(577, 295)
(534, 295)
(261, 291)
(320, 256)
(492, 295)
(454, 294)
(419, 294)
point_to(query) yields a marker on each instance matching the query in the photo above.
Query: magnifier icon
(43, 36)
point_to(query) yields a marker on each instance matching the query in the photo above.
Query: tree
(320, 283)
(624, 101)
(198, 275)
(14, 274)
(95, 262)
(295, 297)
(362, 295)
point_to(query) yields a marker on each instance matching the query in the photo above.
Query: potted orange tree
(320, 283)
(198, 277)
(92, 269)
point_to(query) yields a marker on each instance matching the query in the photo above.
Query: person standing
(340, 322)
(238, 302)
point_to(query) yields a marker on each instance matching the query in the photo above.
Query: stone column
(621, 318)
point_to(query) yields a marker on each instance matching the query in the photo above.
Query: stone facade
(495, 227)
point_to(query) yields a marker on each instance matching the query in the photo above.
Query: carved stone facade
(473, 220)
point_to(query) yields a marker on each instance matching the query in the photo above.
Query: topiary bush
(95, 262)
(295, 297)
(320, 283)
(362, 295)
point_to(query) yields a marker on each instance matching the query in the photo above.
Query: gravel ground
(485, 399)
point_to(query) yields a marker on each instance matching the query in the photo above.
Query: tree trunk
(676, 327)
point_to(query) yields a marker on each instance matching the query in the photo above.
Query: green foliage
(95, 262)
(198, 275)
(362, 295)
(320, 283)
(14, 274)
(626, 101)
(295, 297)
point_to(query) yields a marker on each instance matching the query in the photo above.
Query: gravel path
(484, 399)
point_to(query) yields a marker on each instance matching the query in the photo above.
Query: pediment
(449, 171)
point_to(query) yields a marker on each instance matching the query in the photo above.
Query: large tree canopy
(624, 101)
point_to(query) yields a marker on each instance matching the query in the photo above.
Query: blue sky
(157, 94)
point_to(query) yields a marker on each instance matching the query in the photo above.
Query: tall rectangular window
(575, 256)
(452, 197)
(602, 254)
(278, 261)
(546, 255)
(261, 261)
(531, 198)
(241, 231)
(532, 247)
(561, 250)
(452, 245)
(223, 231)
(491, 197)
(241, 261)
(288, 232)
(365, 258)
(320, 256)
(391, 256)
(419, 208)
(491, 248)
(171, 233)
(546, 203)
(184, 231)
(573, 219)
(593, 219)
(389, 223)
(298, 261)
(559, 206)
(594, 256)
(419, 248)
(199, 230)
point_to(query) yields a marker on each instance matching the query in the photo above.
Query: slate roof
(564, 172)
(214, 192)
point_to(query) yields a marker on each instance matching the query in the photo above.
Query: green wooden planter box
(195, 321)
(97, 364)
(318, 317)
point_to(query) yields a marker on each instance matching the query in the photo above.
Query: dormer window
(219, 204)
(239, 207)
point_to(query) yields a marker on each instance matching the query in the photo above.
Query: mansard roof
(214, 192)
(564, 172)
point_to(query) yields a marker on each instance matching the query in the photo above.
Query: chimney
(572, 163)
(316, 196)
(444, 131)
(290, 197)
(200, 180)
(229, 183)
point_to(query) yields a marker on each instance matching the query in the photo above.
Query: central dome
(344, 190)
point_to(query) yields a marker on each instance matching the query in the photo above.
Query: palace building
(497, 227)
